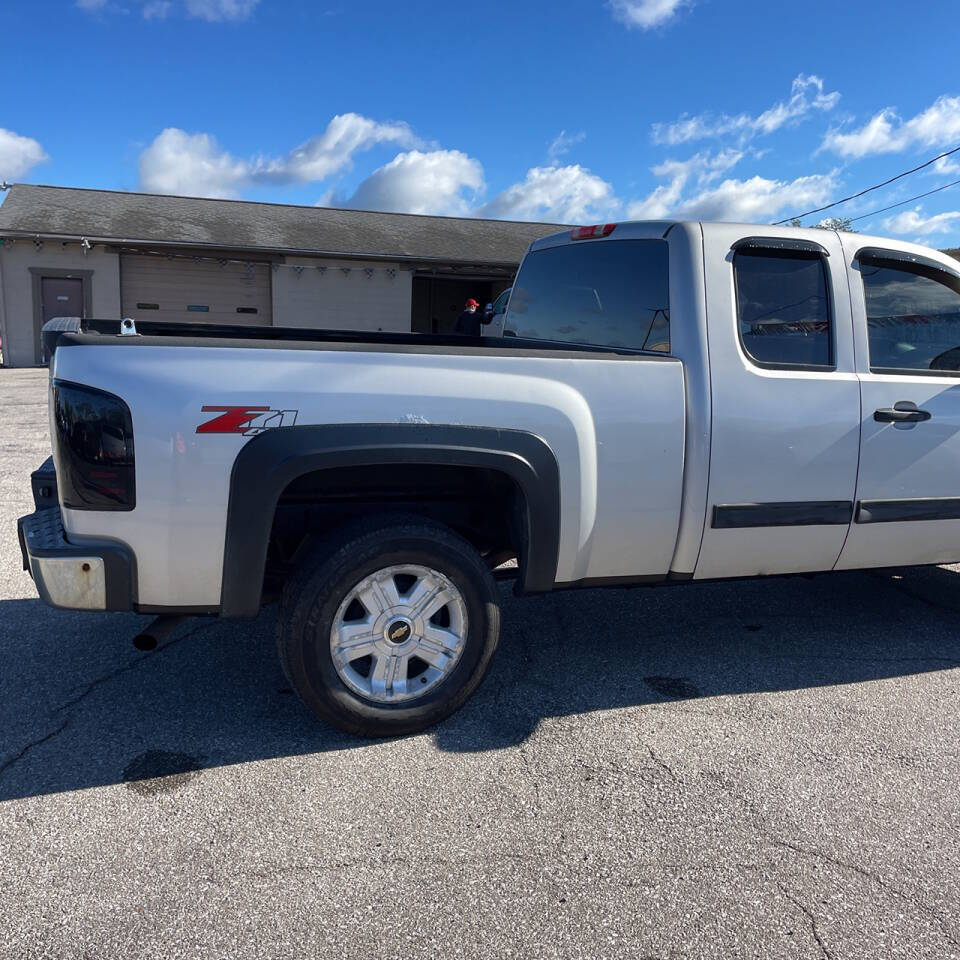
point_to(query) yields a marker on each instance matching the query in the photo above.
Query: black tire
(313, 595)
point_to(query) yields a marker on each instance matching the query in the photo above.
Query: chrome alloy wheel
(398, 633)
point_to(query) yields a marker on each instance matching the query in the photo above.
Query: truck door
(906, 311)
(786, 402)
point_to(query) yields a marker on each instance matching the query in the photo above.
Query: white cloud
(440, 182)
(213, 11)
(568, 194)
(885, 132)
(665, 199)
(704, 166)
(333, 150)
(562, 144)
(647, 14)
(913, 222)
(191, 164)
(946, 166)
(876, 136)
(194, 164)
(659, 203)
(806, 94)
(756, 199)
(157, 9)
(216, 11)
(18, 154)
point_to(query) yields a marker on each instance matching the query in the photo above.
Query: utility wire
(877, 186)
(919, 196)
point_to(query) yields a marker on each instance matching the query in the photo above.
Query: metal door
(154, 287)
(59, 297)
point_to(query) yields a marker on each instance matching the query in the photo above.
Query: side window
(610, 293)
(783, 308)
(913, 316)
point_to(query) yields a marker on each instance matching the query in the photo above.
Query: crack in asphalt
(90, 687)
(869, 875)
(769, 834)
(824, 952)
(648, 774)
(126, 668)
(663, 765)
(7, 764)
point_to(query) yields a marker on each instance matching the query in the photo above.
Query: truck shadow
(79, 707)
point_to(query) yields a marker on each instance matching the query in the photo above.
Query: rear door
(907, 322)
(786, 402)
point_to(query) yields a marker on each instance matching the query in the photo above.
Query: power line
(919, 196)
(876, 186)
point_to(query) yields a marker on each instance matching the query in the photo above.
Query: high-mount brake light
(592, 232)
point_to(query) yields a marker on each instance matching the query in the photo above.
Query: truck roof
(657, 229)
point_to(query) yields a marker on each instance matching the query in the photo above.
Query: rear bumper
(94, 575)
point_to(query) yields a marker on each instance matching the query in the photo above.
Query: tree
(837, 223)
(843, 224)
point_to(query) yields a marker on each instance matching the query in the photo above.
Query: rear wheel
(389, 628)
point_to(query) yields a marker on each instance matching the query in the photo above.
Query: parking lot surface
(764, 769)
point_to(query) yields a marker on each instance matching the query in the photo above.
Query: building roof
(142, 218)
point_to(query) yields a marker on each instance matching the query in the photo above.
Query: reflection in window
(913, 316)
(783, 307)
(611, 293)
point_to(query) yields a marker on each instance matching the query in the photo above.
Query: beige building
(105, 254)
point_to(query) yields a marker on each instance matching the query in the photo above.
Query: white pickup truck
(672, 402)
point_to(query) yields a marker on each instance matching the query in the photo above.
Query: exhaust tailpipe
(157, 632)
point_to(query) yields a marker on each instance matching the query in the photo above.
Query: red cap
(472, 303)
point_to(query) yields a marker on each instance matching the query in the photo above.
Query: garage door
(198, 291)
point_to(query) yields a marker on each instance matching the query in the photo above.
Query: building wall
(337, 294)
(16, 289)
(342, 294)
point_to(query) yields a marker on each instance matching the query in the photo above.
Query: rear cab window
(783, 308)
(913, 315)
(605, 293)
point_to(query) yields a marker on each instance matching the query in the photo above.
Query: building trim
(248, 250)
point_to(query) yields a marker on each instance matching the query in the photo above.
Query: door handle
(903, 411)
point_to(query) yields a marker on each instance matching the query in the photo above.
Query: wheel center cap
(398, 631)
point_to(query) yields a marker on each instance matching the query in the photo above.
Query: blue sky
(570, 110)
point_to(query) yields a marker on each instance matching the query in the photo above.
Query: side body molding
(269, 462)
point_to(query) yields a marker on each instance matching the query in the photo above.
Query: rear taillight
(591, 233)
(93, 449)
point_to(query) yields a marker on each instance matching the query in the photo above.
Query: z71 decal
(248, 421)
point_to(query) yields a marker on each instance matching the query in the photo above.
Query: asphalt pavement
(763, 769)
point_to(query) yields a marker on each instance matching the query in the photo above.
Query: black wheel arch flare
(269, 462)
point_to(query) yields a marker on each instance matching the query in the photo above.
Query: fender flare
(269, 462)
